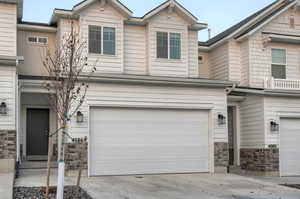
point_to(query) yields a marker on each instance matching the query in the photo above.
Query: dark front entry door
(37, 129)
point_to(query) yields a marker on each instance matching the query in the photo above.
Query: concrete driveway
(186, 186)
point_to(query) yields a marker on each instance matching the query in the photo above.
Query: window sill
(102, 55)
(169, 60)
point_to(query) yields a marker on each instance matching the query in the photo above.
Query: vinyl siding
(8, 29)
(219, 62)
(252, 122)
(109, 17)
(8, 80)
(274, 106)
(139, 95)
(234, 61)
(168, 22)
(244, 63)
(135, 49)
(193, 55)
(204, 66)
(33, 53)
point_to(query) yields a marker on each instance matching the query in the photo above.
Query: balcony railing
(284, 84)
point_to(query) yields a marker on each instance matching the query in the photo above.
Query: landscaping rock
(70, 192)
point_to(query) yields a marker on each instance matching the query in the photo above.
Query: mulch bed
(295, 186)
(70, 192)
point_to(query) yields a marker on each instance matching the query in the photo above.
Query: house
(262, 54)
(149, 108)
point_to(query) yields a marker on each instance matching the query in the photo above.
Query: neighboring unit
(261, 53)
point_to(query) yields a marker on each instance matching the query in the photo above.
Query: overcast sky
(218, 14)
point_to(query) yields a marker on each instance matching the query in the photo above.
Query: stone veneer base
(72, 155)
(257, 161)
(221, 157)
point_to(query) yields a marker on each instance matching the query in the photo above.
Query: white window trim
(103, 54)
(168, 39)
(279, 64)
(37, 40)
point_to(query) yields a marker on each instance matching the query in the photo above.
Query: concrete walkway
(187, 186)
(6, 185)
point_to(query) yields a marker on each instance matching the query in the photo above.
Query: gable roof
(273, 8)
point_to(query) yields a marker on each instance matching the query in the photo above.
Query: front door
(37, 127)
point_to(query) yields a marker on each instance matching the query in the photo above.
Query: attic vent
(200, 59)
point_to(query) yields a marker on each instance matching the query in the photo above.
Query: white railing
(285, 84)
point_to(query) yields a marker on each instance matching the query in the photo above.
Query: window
(102, 40)
(38, 40)
(95, 39)
(162, 44)
(168, 45)
(279, 63)
(109, 37)
(175, 45)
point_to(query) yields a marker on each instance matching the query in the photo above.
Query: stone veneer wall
(7, 144)
(260, 160)
(73, 151)
(221, 154)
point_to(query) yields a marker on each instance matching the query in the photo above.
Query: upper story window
(102, 40)
(279, 63)
(168, 45)
(38, 40)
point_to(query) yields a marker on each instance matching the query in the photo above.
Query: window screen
(162, 44)
(279, 63)
(95, 39)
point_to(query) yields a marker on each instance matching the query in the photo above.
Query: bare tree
(67, 92)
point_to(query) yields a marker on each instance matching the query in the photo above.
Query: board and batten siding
(204, 65)
(219, 62)
(8, 79)
(244, 63)
(252, 122)
(8, 29)
(34, 53)
(168, 22)
(142, 95)
(135, 49)
(107, 17)
(274, 107)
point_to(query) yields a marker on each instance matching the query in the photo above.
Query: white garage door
(148, 141)
(290, 147)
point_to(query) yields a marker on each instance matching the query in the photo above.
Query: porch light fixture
(3, 108)
(221, 119)
(79, 117)
(274, 126)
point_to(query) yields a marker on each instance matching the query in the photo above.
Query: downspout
(229, 90)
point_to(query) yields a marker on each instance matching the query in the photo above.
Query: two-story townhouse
(262, 54)
(149, 109)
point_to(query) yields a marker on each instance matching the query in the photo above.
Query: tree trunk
(49, 165)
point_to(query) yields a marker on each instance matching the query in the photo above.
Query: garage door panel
(290, 147)
(139, 141)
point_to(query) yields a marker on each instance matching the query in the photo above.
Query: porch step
(236, 170)
(36, 165)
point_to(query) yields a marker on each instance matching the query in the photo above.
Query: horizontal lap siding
(8, 29)
(109, 17)
(193, 54)
(252, 122)
(135, 49)
(168, 22)
(100, 94)
(219, 62)
(273, 107)
(8, 95)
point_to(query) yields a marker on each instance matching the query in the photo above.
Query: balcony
(283, 84)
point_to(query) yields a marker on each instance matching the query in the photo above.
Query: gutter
(11, 60)
(269, 92)
(38, 28)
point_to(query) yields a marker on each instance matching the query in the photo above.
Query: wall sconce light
(3, 108)
(221, 119)
(79, 117)
(274, 126)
